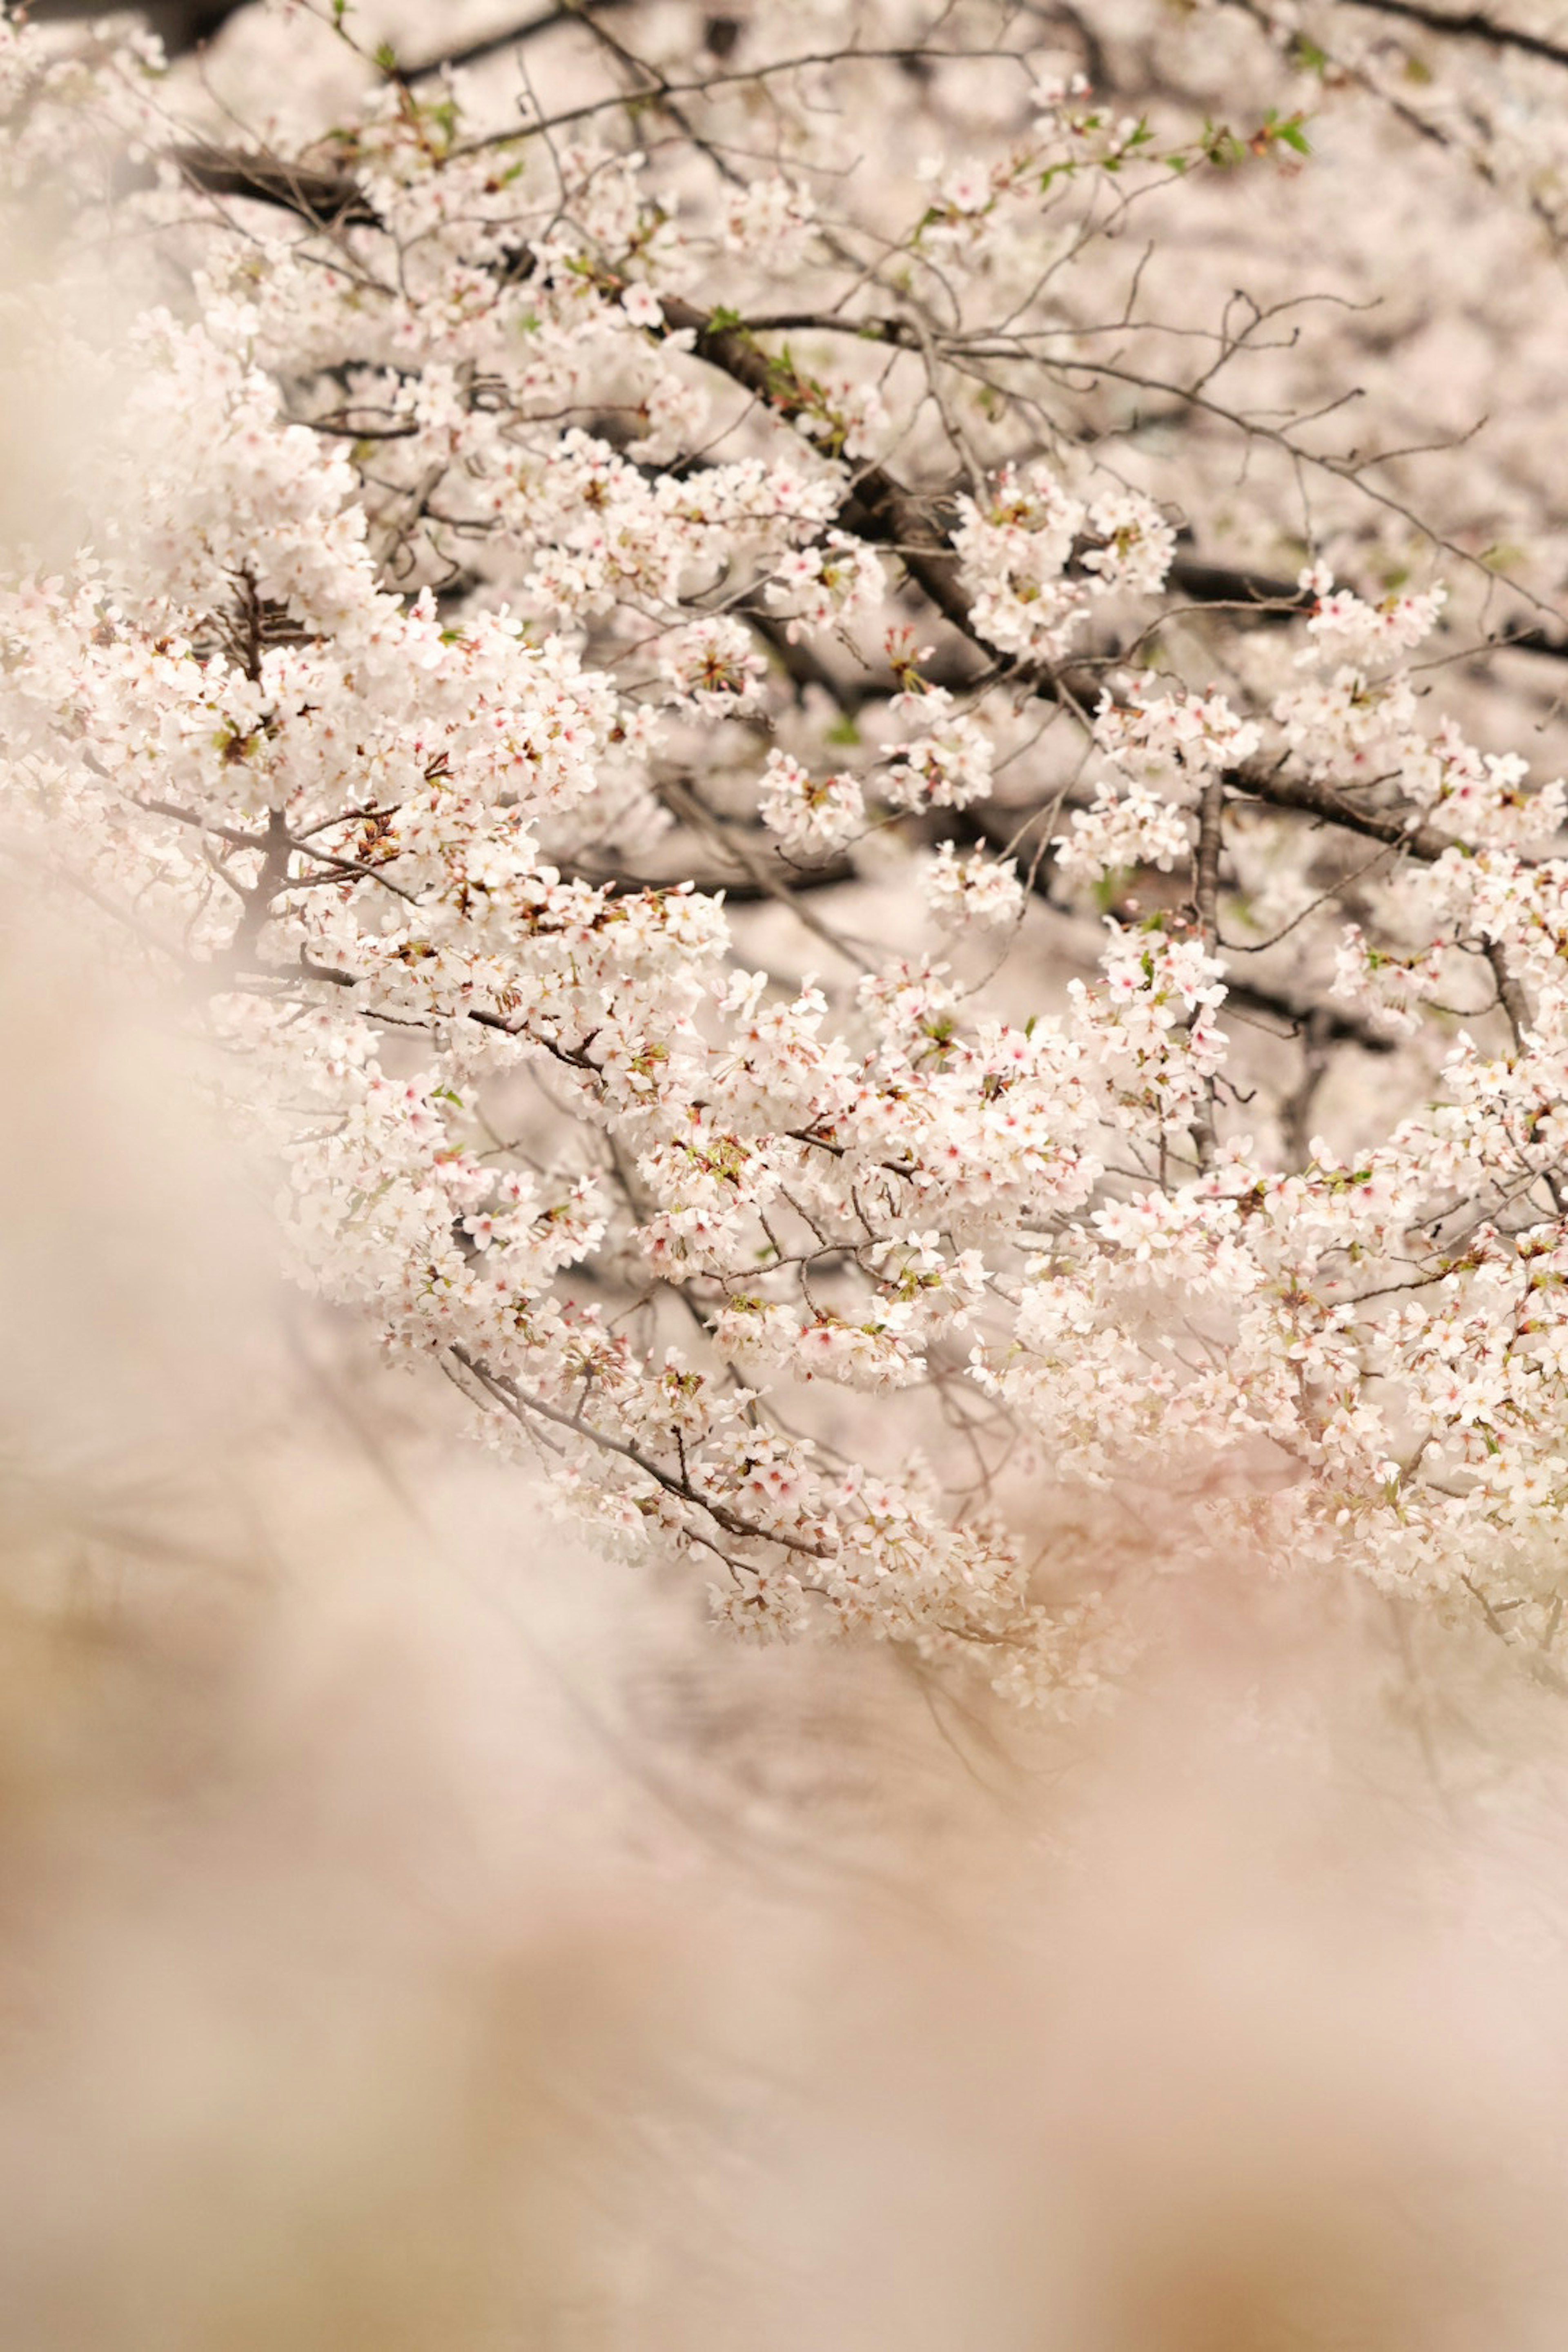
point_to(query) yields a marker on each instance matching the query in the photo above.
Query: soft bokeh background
(419, 1934)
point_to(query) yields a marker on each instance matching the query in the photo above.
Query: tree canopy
(847, 717)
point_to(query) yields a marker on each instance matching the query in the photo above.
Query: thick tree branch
(180, 24)
(1471, 26)
(494, 45)
(325, 199)
(1211, 841)
(1310, 797)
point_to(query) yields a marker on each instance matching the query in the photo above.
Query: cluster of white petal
(1035, 558)
(446, 548)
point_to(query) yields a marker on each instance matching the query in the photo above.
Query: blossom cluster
(1036, 557)
(493, 619)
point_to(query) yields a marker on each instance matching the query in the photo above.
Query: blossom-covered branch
(698, 757)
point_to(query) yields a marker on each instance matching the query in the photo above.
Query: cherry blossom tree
(858, 839)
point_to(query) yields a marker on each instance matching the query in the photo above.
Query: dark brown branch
(1220, 583)
(739, 889)
(879, 508)
(1472, 27)
(1311, 1024)
(507, 1392)
(1311, 798)
(326, 199)
(1516, 1004)
(1530, 641)
(268, 884)
(180, 24)
(1510, 996)
(473, 53)
(1211, 841)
